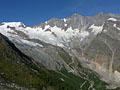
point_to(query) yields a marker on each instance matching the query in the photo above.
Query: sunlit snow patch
(112, 19)
(96, 29)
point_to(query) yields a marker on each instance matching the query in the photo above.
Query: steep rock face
(104, 50)
(52, 57)
(107, 42)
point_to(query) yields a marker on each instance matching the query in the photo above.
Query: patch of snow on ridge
(116, 26)
(96, 29)
(47, 27)
(105, 30)
(112, 19)
(64, 20)
(84, 34)
(65, 25)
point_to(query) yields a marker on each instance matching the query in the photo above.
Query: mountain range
(73, 53)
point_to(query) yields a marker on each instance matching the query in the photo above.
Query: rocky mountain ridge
(57, 43)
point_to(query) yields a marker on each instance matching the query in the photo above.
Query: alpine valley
(73, 53)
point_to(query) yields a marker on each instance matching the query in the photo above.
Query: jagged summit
(76, 17)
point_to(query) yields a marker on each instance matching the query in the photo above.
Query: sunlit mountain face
(73, 53)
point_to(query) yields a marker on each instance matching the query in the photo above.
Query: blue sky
(33, 12)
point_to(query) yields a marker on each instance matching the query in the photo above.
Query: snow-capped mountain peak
(57, 31)
(12, 24)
